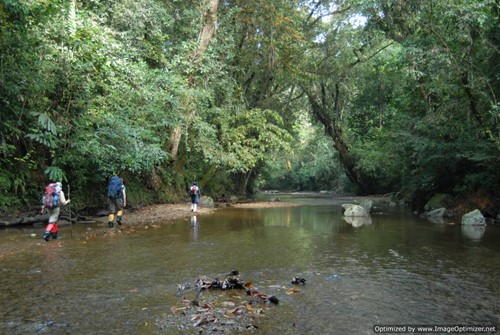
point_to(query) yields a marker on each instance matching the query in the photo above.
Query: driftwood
(26, 220)
(40, 218)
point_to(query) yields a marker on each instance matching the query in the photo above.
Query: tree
(336, 49)
(449, 54)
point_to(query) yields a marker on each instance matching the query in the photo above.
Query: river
(396, 270)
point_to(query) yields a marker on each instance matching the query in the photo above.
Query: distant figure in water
(194, 192)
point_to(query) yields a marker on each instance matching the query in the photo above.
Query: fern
(55, 173)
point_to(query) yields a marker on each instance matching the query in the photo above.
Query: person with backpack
(51, 201)
(194, 192)
(117, 200)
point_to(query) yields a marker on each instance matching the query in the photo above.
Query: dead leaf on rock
(175, 309)
(234, 310)
(292, 290)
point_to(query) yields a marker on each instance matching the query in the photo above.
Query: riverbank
(144, 273)
(152, 216)
(164, 213)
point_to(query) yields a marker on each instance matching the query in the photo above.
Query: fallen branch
(25, 220)
(41, 218)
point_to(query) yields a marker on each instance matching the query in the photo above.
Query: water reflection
(356, 278)
(473, 232)
(436, 219)
(194, 228)
(358, 221)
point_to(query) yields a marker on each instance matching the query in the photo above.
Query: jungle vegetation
(359, 96)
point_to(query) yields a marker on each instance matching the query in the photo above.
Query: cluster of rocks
(436, 211)
(473, 223)
(220, 310)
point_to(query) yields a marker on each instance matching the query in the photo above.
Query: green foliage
(94, 88)
(8, 199)
(54, 173)
(312, 164)
(419, 121)
(249, 136)
(318, 167)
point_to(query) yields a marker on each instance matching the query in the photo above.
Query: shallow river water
(396, 270)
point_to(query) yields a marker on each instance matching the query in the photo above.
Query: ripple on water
(394, 271)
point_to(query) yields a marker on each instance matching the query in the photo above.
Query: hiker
(117, 200)
(194, 192)
(52, 199)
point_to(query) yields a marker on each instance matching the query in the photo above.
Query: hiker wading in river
(52, 199)
(194, 192)
(117, 200)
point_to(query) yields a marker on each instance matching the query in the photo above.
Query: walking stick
(69, 207)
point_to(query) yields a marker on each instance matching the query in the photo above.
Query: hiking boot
(54, 235)
(119, 220)
(111, 224)
(46, 236)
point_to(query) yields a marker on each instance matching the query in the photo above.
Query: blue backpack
(115, 188)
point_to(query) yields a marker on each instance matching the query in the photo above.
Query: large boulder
(358, 221)
(436, 216)
(207, 202)
(366, 204)
(351, 210)
(436, 213)
(474, 218)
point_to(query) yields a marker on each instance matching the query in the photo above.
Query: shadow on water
(395, 270)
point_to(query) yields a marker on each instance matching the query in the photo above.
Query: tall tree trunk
(327, 115)
(176, 139)
(72, 17)
(244, 184)
(207, 31)
(209, 25)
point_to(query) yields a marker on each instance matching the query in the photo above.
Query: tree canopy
(364, 96)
